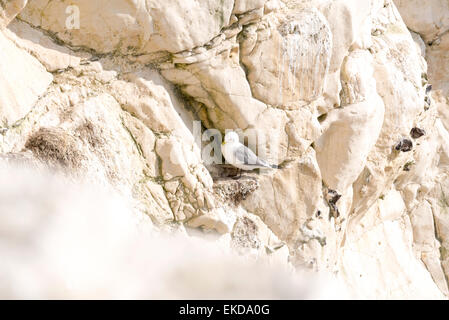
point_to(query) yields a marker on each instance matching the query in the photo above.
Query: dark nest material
(417, 133)
(91, 134)
(405, 145)
(55, 147)
(332, 198)
(235, 191)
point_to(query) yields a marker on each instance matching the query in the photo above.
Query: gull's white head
(231, 137)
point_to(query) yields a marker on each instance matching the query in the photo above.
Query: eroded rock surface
(332, 91)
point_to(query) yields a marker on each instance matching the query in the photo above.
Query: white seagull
(240, 156)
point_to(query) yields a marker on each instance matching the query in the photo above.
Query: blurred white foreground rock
(60, 240)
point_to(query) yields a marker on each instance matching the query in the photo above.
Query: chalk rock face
(381, 240)
(9, 9)
(53, 57)
(288, 57)
(21, 84)
(242, 6)
(354, 33)
(220, 84)
(292, 204)
(431, 23)
(353, 130)
(131, 26)
(430, 19)
(403, 105)
(137, 95)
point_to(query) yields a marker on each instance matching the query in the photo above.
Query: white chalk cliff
(336, 90)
